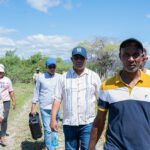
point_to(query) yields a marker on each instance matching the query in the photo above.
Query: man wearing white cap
(36, 75)
(6, 91)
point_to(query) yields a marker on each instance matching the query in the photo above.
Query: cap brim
(79, 54)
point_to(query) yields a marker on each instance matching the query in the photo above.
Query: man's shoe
(3, 143)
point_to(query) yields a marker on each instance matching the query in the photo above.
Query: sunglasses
(51, 67)
(78, 57)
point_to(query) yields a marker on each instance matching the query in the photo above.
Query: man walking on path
(143, 62)
(36, 75)
(78, 88)
(127, 97)
(6, 91)
(44, 93)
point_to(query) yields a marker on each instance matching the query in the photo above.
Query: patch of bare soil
(19, 133)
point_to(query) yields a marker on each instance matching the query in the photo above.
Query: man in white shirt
(36, 75)
(6, 92)
(78, 89)
(143, 62)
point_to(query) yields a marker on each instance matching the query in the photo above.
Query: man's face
(79, 62)
(51, 69)
(37, 71)
(1, 74)
(131, 58)
(143, 61)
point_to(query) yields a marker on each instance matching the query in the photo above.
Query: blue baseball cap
(79, 51)
(50, 61)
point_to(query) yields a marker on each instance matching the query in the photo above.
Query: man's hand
(13, 104)
(54, 111)
(54, 125)
(0, 120)
(33, 112)
(13, 99)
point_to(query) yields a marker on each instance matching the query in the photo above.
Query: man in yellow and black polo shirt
(127, 97)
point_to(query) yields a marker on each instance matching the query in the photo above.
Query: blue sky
(54, 27)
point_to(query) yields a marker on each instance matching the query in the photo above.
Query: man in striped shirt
(78, 89)
(127, 97)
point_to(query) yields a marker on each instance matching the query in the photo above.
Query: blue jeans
(77, 136)
(46, 116)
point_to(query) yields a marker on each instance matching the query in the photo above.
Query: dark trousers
(4, 121)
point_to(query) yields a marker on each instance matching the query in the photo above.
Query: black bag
(35, 125)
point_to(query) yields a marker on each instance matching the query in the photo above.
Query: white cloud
(6, 31)
(43, 5)
(68, 5)
(4, 41)
(52, 45)
(148, 16)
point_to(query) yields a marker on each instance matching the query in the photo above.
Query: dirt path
(20, 137)
(19, 134)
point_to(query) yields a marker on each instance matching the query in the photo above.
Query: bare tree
(103, 54)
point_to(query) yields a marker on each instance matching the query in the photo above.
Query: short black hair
(129, 41)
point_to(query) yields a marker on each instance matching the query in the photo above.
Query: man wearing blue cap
(77, 89)
(44, 93)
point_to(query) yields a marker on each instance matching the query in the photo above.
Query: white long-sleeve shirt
(78, 94)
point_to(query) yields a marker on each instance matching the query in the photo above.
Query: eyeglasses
(78, 57)
(51, 67)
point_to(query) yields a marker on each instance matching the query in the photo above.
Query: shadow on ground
(28, 145)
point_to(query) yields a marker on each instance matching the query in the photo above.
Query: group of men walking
(126, 97)
(79, 88)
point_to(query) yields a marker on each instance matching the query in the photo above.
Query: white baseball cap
(2, 68)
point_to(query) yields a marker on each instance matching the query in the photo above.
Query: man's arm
(33, 78)
(13, 99)
(33, 112)
(55, 109)
(97, 129)
(1, 110)
(35, 97)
